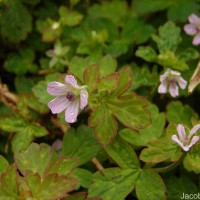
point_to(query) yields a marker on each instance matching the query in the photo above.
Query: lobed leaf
(150, 186)
(80, 144)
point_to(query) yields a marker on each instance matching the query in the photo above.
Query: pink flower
(193, 28)
(169, 82)
(186, 141)
(69, 97)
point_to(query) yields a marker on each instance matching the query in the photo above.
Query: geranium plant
(99, 100)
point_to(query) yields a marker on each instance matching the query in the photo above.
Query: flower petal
(57, 89)
(71, 112)
(193, 19)
(194, 130)
(196, 40)
(181, 132)
(58, 104)
(175, 73)
(163, 87)
(193, 141)
(164, 76)
(71, 80)
(175, 139)
(173, 89)
(190, 29)
(182, 83)
(83, 99)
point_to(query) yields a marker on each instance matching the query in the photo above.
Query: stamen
(70, 96)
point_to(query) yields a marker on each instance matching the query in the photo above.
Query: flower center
(172, 81)
(70, 96)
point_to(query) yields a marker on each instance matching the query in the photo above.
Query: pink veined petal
(164, 76)
(181, 132)
(175, 139)
(193, 141)
(175, 73)
(83, 99)
(163, 87)
(173, 89)
(194, 130)
(71, 112)
(71, 80)
(190, 29)
(194, 19)
(57, 89)
(196, 40)
(58, 104)
(186, 148)
(182, 83)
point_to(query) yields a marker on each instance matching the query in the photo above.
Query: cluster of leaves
(121, 146)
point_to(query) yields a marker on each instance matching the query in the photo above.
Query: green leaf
(188, 54)
(12, 123)
(25, 136)
(8, 184)
(122, 154)
(118, 47)
(104, 124)
(143, 76)
(179, 113)
(21, 140)
(45, 188)
(113, 184)
(33, 2)
(3, 164)
(69, 17)
(150, 133)
(62, 166)
(91, 75)
(170, 60)
(21, 63)
(27, 159)
(107, 65)
(83, 176)
(77, 66)
(192, 159)
(40, 90)
(50, 29)
(23, 84)
(108, 83)
(80, 144)
(29, 101)
(146, 6)
(150, 186)
(176, 186)
(136, 31)
(168, 38)
(181, 13)
(11, 20)
(162, 149)
(104, 10)
(147, 53)
(125, 81)
(131, 111)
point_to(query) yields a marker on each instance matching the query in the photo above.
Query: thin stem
(98, 165)
(8, 98)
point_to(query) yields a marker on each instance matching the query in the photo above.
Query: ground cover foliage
(129, 141)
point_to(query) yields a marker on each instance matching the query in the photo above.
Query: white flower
(69, 96)
(193, 28)
(169, 82)
(183, 140)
